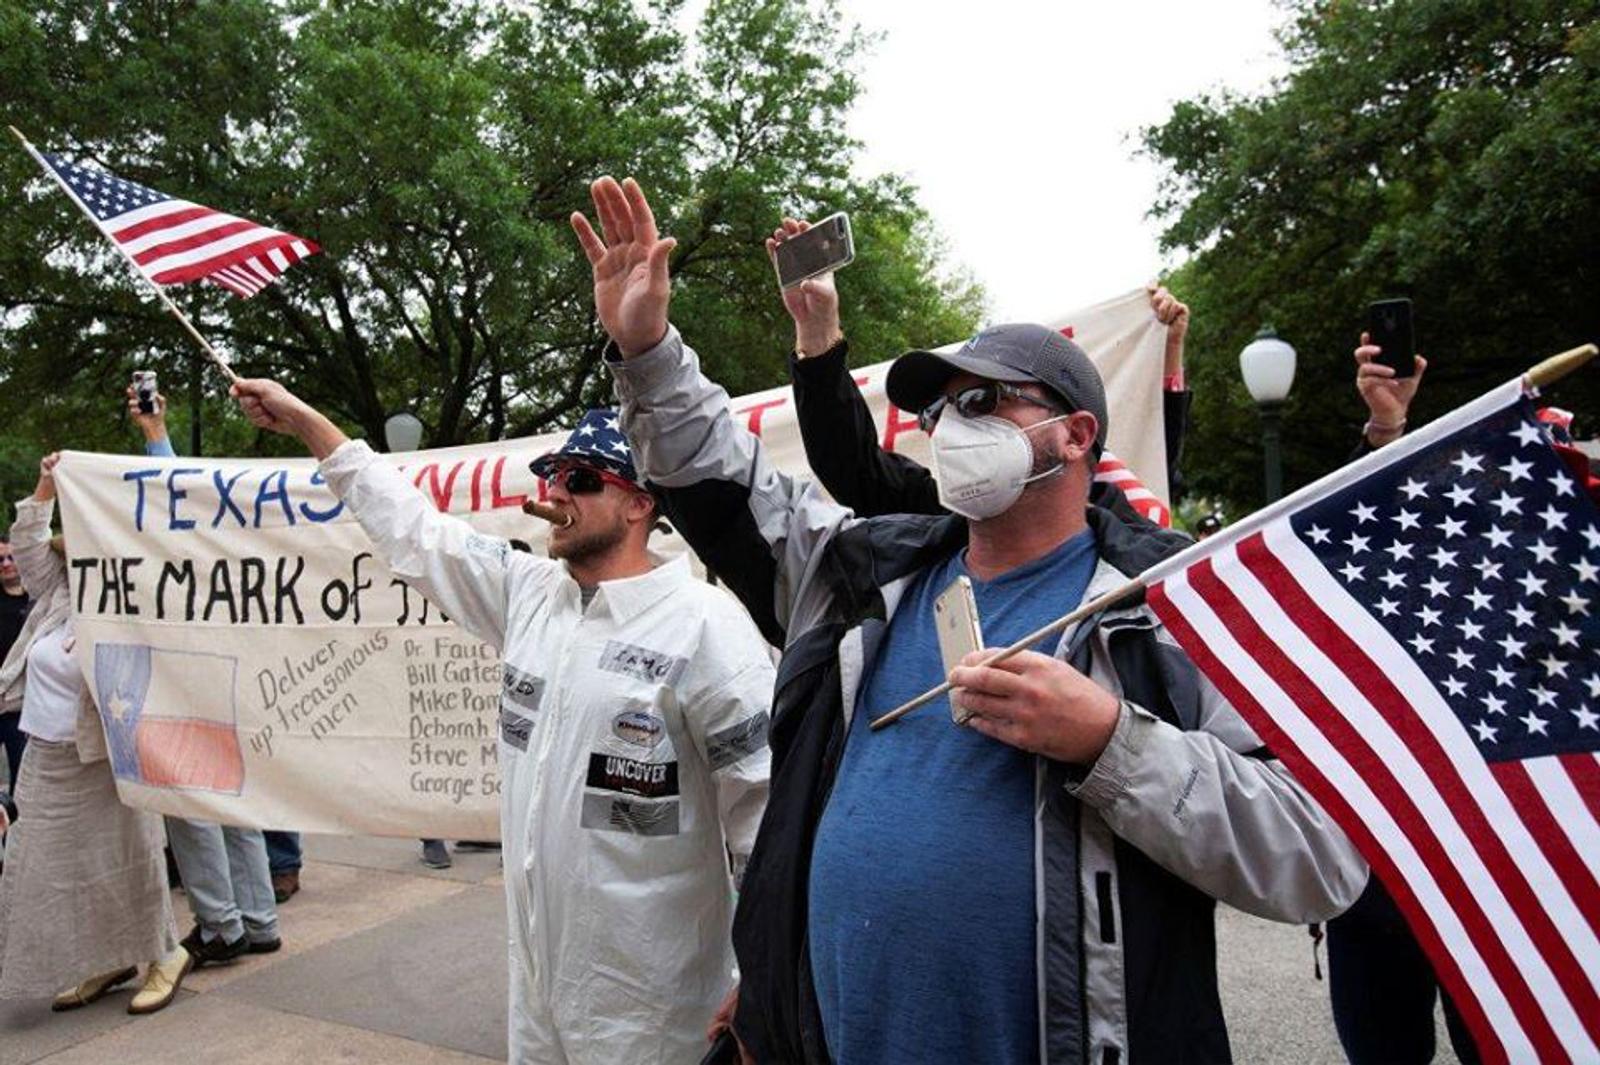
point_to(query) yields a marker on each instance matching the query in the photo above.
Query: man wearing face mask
(1040, 886)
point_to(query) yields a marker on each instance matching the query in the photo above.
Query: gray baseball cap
(1012, 353)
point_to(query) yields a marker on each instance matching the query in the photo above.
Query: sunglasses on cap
(586, 480)
(979, 400)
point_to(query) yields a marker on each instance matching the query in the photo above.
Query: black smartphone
(1390, 326)
(825, 246)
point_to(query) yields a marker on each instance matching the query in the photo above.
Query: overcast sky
(1019, 124)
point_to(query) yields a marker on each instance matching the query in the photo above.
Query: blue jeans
(283, 852)
(226, 878)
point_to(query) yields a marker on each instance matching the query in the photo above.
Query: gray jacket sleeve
(759, 530)
(1211, 806)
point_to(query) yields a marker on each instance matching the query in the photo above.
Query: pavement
(388, 962)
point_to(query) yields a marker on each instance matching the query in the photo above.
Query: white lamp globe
(1267, 364)
(402, 432)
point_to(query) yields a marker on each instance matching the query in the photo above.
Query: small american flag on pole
(172, 241)
(1417, 636)
(1145, 503)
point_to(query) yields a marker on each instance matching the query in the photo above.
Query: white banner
(255, 664)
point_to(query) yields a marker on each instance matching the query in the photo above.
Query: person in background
(841, 441)
(8, 814)
(1209, 525)
(14, 611)
(84, 896)
(436, 854)
(284, 858)
(1381, 985)
(224, 868)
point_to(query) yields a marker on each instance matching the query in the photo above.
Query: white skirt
(85, 884)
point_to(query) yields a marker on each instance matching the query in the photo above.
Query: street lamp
(402, 431)
(1267, 364)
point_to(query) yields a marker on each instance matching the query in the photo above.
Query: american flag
(173, 241)
(1417, 636)
(1146, 503)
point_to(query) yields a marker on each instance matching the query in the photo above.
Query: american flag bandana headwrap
(172, 241)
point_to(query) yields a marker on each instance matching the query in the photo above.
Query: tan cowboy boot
(161, 982)
(92, 989)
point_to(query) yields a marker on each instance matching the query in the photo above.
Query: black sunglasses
(979, 400)
(586, 480)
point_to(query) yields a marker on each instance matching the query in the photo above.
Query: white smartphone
(824, 247)
(955, 618)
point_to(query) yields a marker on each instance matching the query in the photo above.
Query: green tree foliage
(435, 150)
(1445, 150)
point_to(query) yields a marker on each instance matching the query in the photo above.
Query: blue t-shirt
(922, 893)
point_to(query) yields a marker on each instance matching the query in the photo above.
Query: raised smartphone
(1390, 326)
(825, 246)
(955, 619)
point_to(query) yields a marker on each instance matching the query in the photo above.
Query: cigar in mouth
(554, 515)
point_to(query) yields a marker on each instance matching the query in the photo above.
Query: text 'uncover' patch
(641, 662)
(653, 780)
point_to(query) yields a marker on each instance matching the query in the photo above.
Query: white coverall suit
(633, 760)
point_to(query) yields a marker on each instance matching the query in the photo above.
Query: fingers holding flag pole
(1093, 606)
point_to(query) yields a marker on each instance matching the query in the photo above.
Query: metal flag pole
(1544, 373)
(183, 319)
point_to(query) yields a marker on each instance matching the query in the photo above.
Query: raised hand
(1174, 314)
(269, 405)
(813, 304)
(46, 488)
(631, 286)
(154, 424)
(1388, 398)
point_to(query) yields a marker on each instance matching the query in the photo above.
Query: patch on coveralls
(514, 727)
(639, 728)
(733, 743)
(519, 698)
(489, 547)
(653, 780)
(521, 689)
(639, 817)
(641, 663)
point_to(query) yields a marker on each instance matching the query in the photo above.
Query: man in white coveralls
(633, 739)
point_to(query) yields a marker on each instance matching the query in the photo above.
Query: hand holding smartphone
(1390, 327)
(955, 619)
(825, 247)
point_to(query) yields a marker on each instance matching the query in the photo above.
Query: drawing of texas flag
(170, 717)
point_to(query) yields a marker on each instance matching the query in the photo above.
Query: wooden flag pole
(216, 359)
(1556, 367)
(1544, 373)
(1093, 606)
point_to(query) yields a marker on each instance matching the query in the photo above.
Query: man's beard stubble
(584, 546)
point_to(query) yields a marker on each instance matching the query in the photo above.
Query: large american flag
(1417, 636)
(173, 241)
